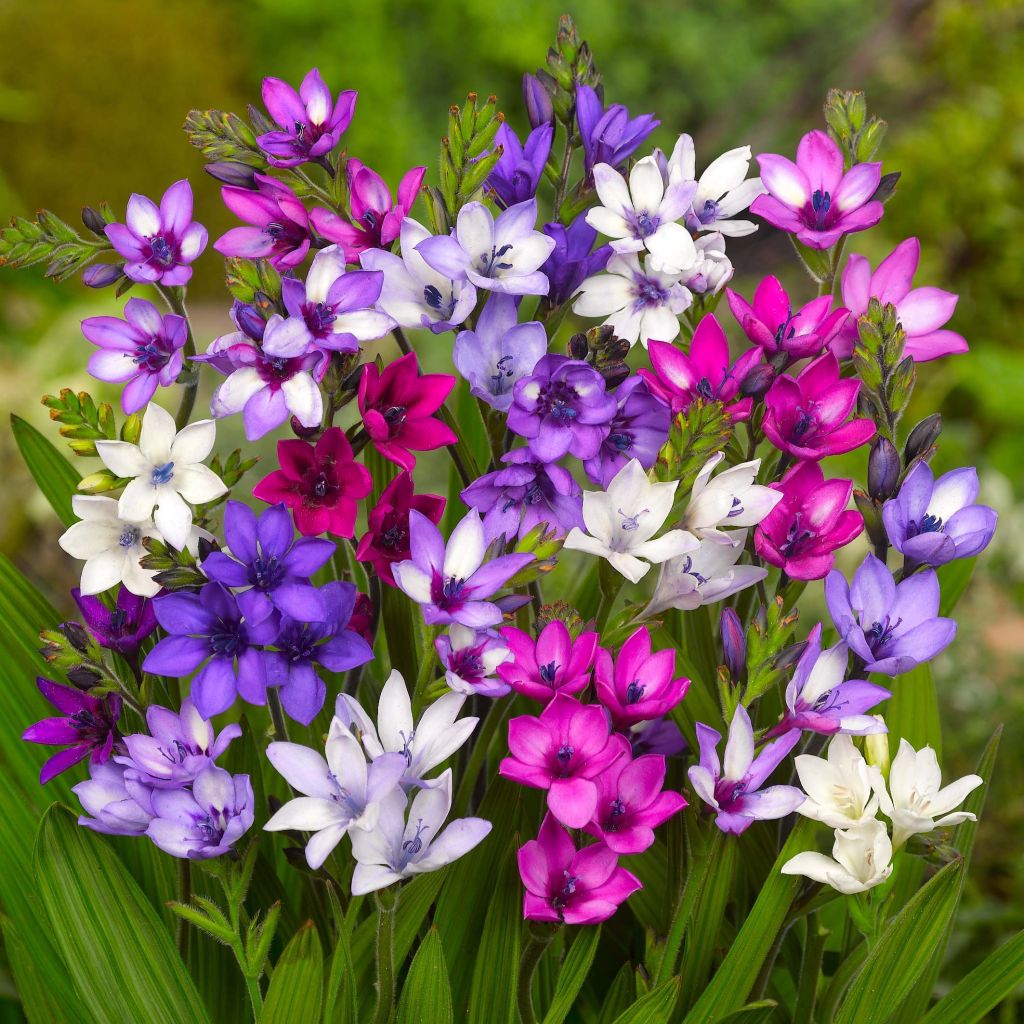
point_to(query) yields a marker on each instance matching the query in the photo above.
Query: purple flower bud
(94, 221)
(100, 275)
(300, 431)
(249, 321)
(734, 644)
(232, 173)
(578, 347)
(83, 678)
(790, 655)
(77, 636)
(758, 381)
(883, 469)
(538, 102)
(922, 438)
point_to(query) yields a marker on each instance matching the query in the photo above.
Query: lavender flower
(516, 175)
(609, 136)
(119, 803)
(573, 258)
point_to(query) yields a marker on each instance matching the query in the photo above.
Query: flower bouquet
(566, 741)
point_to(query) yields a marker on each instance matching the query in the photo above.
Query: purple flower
(454, 583)
(660, 736)
(813, 198)
(311, 122)
(119, 803)
(267, 559)
(87, 726)
(499, 351)
(517, 173)
(733, 789)
(470, 658)
(638, 430)
(279, 224)
(159, 242)
(121, 628)
(892, 627)
(205, 822)
(516, 499)
(178, 746)
(144, 350)
(573, 258)
(562, 407)
(609, 136)
(301, 646)
(931, 522)
(207, 629)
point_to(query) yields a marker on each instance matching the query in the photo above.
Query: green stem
(386, 902)
(427, 658)
(527, 966)
(183, 895)
(563, 177)
(610, 585)
(252, 986)
(277, 714)
(810, 968)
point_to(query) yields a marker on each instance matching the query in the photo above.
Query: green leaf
(115, 948)
(53, 474)
(296, 986)
(573, 973)
(654, 1006)
(954, 578)
(753, 1013)
(427, 995)
(992, 981)
(906, 947)
(912, 713)
(34, 989)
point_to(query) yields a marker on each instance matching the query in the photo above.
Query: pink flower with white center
(553, 663)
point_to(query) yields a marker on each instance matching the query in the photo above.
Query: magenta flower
(632, 802)
(87, 727)
(121, 628)
(803, 531)
(322, 484)
(311, 123)
(813, 199)
(570, 886)
(376, 217)
(143, 351)
(279, 224)
(397, 403)
(563, 751)
(159, 242)
(706, 373)
(638, 685)
(922, 312)
(553, 663)
(771, 323)
(806, 416)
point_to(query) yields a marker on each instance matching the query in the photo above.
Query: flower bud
(101, 275)
(789, 655)
(232, 173)
(876, 749)
(922, 438)
(304, 432)
(77, 636)
(249, 321)
(758, 381)
(538, 102)
(883, 469)
(559, 611)
(734, 644)
(93, 220)
(83, 677)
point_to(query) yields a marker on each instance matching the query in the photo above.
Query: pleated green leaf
(115, 948)
(656, 1005)
(760, 1012)
(954, 578)
(573, 973)
(54, 475)
(34, 992)
(427, 995)
(296, 986)
(912, 713)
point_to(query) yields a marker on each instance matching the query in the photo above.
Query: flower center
(505, 368)
(620, 441)
(129, 537)
(805, 421)
(162, 474)
(705, 390)
(649, 293)
(319, 318)
(266, 572)
(880, 633)
(489, 264)
(557, 400)
(688, 570)
(635, 692)
(412, 847)
(226, 640)
(821, 204)
(445, 307)
(926, 524)
(548, 672)
(646, 225)
(406, 750)
(631, 523)
(161, 251)
(151, 357)
(709, 212)
(565, 754)
(796, 537)
(395, 537)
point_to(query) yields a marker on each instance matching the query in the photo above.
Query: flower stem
(387, 900)
(183, 895)
(252, 985)
(610, 585)
(277, 714)
(496, 716)
(539, 939)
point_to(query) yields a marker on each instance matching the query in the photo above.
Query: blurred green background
(92, 96)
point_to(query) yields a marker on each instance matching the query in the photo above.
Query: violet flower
(733, 789)
(206, 629)
(121, 628)
(550, 664)
(516, 175)
(609, 136)
(279, 222)
(310, 123)
(119, 803)
(573, 258)
(87, 727)
(563, 751)
(562, 407)
(568, 886)
(499, 351)
(892, 627)
(159, 242)
(453, 583)
(813, 198)
(931, 522)
(470, 658)
(143, 351)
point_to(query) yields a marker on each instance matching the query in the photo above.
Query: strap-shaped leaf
(296, 987)
(656, 1005)
(574, 972)
(427, 995)
(913, 711)
(55, 476)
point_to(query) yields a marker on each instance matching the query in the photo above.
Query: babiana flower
(838, 786)
(861, 859)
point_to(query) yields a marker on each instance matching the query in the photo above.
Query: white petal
(466, 547)
(193, 443)
(137, 500)
(102, 571)
(173, 518)
(158, 430)
(123, 459)
(198, 484)
(394, 713)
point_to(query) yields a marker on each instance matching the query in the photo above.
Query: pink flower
(562, 751)
(802, 532)
(570, 886)
(771, 323)
(280, 224)
(813, 199)
(638, 685)
(807, 416)
(376, 220)
(554, 663)
(631, 803)
(705, 373)
(921, 311)
(396, 405)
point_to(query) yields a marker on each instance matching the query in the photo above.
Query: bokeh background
(93, 94)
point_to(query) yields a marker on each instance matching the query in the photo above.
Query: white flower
(729, 499)
(721, 190)
(915, 800)
(838, 789)
(639, 302)
(712, 270)
(166, 471)
(622, 520)
(399, 847)
(704, 576)
(110, 547)
(342, 792)
(861, 859)
(424, 745)
(643, 214)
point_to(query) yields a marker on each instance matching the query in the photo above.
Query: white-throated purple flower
(278, 224)
(470, 658)
(453, 582)
(573, 258)
(711, 269)
(516, 175)
(159, 242)
(499, 351)
(119, 804)
(143, 351)
(609, 136)
(500, 255)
